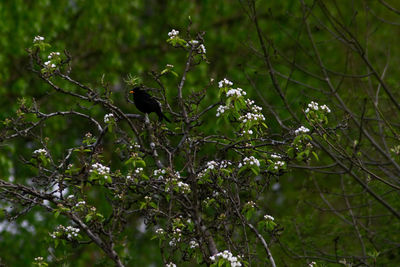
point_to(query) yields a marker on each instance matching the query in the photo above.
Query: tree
(207, 186)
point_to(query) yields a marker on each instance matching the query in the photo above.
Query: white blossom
(315, 106)
(238, 92)
(134, 146)
(269, 217)
(171, 264)
(69, 231)
(53, 54)
(249, 161)
(214, 165)
(38, 39)
(107, 117)
(248, 132)
(193, 244)
(202, 49)
(138, 170)
(312, 106)
(40, 151)
(227, 255)
(278, 164)
(276, 156)
(301, 130)
(48, 65)
(184, 187)
(221, 110)
(173, 242)
(194, 42)
(251, 204)
(173, 34)
(80, 203)
(252, 117)
(224, 83)
(160, 231)
(159, 173)
(100, 169)
(325, 108)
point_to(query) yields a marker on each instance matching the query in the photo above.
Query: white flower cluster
(100, 169)
(48, 64)
(253, 107)
(221, 110)
(159, 174)
(135, 145)
(315, 106)
(252, 117)
(173, 34)
(184, 187)
(214, 165)
(201, 49)
(171, 264)
(238, 92)
(221, 165)
(194, 42)
(269, 217)
(38, 259)
(225, 83)
(107, 117)
(38, 39)
(278, 164)
(215, 194)
(249, 161)
(171, 181)
(70, 231)
(193, 244)
(177, 237)
(160, 231)
(40, 151)
(301, 130)
(129, 178)
(248, 132)
(80, 203)
(276, 156)
(311, 264)
(138, 170)
(53, 54)
(251, 204)
(325, 108)
(227, 255)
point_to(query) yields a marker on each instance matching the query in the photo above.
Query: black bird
(146, 103)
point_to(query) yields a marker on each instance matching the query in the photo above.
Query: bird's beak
(131, 92)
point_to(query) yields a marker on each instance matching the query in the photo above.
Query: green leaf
(140, 163)
(88, 218)
(315, 155)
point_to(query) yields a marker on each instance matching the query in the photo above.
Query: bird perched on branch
(146, 103)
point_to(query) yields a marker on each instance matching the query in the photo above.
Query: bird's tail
(162, 116)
